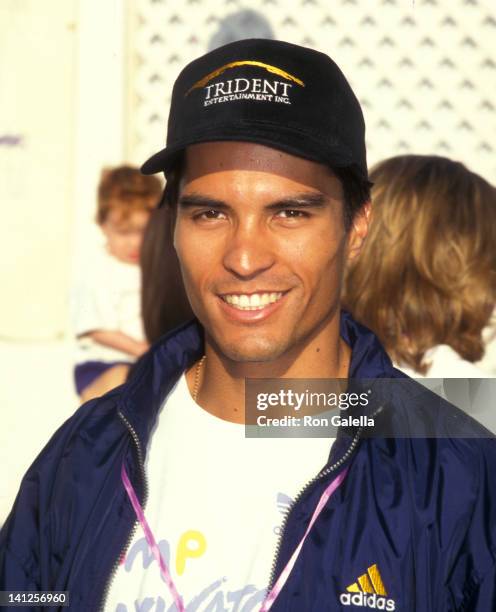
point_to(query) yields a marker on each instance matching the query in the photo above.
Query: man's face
(262, 246)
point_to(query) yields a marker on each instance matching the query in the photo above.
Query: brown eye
(210, 214)
(292, 213)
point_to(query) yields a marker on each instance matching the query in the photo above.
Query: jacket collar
(158, 371)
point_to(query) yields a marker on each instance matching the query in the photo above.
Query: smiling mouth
(252, 301)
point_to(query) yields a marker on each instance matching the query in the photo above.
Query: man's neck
(220, 382)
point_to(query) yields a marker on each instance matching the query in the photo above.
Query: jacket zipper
(324, 472)
(141, 465)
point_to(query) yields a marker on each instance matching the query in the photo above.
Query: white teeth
(255, 301)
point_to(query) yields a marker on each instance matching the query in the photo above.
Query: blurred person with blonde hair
(425, 281)
(106, 306)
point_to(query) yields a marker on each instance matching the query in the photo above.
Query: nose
(248, 251)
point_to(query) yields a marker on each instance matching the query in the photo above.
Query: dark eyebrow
(195, 200)
(301, 200)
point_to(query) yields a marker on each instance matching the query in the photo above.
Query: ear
(358, 230)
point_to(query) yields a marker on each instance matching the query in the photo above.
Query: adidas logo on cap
(368, 592)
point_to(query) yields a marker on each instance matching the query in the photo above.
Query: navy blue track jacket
(412, 528)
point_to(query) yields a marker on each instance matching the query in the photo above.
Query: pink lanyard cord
(140, 515)
(281, 581)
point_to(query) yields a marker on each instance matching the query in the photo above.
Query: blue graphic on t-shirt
(212, 598)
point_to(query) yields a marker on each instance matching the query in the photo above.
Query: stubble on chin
(252, 351)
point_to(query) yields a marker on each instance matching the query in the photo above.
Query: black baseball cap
(269, 92)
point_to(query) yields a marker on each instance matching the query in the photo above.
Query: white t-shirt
(445, 363)
(488, 361)
(107, 298)
(216, 504)
(475, 397)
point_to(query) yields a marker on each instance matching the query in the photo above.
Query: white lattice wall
(424, 70)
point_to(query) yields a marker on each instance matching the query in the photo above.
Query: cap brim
(164, 159)
(283, 140)
(161, 161)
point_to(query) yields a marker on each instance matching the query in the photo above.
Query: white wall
(37, 57)
(100, 102)
(62, 67)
